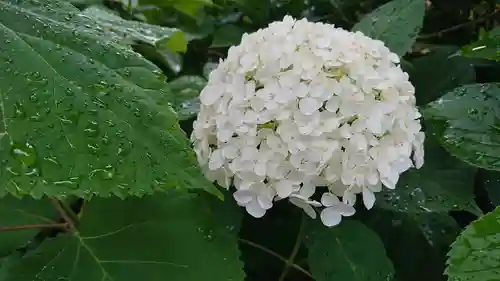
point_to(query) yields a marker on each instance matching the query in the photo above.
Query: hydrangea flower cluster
(300, 106)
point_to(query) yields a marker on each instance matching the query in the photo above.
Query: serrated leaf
(474, 256)
(349, 251)
(16, 212)
(80, 115)
(127, 31)
(185, 92)
(396, 23)
(487, 47)
(160, 237)
(466, 122)
(442, 184)
(436, 73)
(227, 35)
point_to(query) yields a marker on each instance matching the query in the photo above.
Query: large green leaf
(227, 35)
(442, 184)
(474, 256)
(466, 122)
(159, 237)
(185, 92)
(426, 236)
(349, 251)
(491, 183)
(437, 73)
(487, 47)
(80, 114)
(396, 23)
(16, 212)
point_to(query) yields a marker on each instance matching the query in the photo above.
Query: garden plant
(258, 140)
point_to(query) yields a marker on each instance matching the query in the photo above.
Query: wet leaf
(80, 113)
(466, 122)
(430, 233)
(127, 31)
(475, 256)
(491, 182)
(185, 92)
(437, 73)
(396, 23)
(349, 251)
(443, 183)
(169, 236)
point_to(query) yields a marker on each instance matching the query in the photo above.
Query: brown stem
(458, 26)
(32, 226)
(276, 255)
(64, 214)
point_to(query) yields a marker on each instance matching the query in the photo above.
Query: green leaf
(127, 31)
(474, 255)
(80, 114)
(491, 183)
(487, 47)
(160, 237)
(227, 35)
(185, 92)
(349, 251)
(396, 23)
(176, 43)
(442, 184)
(466, 122)
(436, 73)
(16, 212)
(426, 236)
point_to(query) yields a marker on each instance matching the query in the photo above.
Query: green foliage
(17, 213)
(474, 255)
(437, 73)
(487, 47)
(396, 23)
(350, 251)
(442, 184)
(82, 115)
(227, 35)
(93, 94)
(116, 237)
(466, 122)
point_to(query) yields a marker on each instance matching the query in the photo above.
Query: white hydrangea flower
(300, 105)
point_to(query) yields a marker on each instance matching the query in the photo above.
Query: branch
(295, 250)
(63, 213)
(458, 26)
(276, 255)
(32, 226)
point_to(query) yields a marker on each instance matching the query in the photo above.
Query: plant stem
(63, 213)
(458, 26)
(32, 226)
(295, 250)
(276, 255)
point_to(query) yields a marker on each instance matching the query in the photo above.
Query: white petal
(265, 202)
(330, 217)
(284, 188)
(328, 199)
(344, 209)
(216, 160)
(209, 95)
(333, 104)
(255, 210)
(309, 210)
(308, 106)
(307, 190)
(368, 198)
(243, 197)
